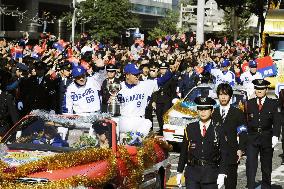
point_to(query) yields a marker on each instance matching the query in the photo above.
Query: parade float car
(34, 154)
(184, 110)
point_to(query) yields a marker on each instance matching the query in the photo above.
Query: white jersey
(133, 101)
(227, 77)
(83, 99)
(247, 78)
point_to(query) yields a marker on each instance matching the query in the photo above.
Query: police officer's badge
(202, 100)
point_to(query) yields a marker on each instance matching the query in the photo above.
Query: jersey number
(138, 104)
(90, 99)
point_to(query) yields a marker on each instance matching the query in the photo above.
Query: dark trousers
(161, 109)
(197, 185)
(232, 176)
(266, 153)
(282, 140)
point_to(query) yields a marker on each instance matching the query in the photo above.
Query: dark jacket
(233, 120)
(35, 95)
(62, 85)
(186, 83)
(267, 119)
(211, 148)
(8, 112)
(167, 92)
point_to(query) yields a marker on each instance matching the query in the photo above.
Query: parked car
(66, 151)
(184, 110)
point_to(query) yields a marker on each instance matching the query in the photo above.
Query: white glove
(178, 179)
(274, 141)
(20, 105)
(221, 180)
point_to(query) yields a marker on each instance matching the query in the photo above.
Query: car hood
(16, 158)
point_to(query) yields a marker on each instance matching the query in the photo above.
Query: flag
(266, 67)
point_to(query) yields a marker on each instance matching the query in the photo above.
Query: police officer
(165, 95)
(111, 79)
(188, 80)
(233, 123)
(263, 132)
(203, 150)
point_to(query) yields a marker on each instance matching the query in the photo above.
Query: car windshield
(238, 98)
(34, 133)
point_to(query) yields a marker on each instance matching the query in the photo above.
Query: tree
(244, 8)
(166, 26)
(237, 12)
(106, 19)
(242, 32)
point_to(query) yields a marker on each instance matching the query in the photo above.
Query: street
(277, 173)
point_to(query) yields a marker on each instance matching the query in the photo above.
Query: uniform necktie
(223, 114)
(259, 104)
(204, 131)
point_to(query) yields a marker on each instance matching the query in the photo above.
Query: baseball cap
(131, 69)
(78, 71)
(225, 63)
(252, 64)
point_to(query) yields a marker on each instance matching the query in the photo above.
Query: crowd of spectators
(36, 75)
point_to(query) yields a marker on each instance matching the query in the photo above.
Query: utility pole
(200, 21)
(73, 22)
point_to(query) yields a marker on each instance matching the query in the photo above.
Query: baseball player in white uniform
(248, 76)
(134, 96)
(82, 96)
(223, 75)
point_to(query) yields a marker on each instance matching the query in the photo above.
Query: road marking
(172, 181)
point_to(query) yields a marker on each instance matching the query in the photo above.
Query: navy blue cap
(204, 102)
(252, 64)
(78, 71)
(260, 83)
(131, 69)
(225, 63)
(22, 66)
(111, 67)
(164, 65)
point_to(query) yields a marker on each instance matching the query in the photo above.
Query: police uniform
(64, 82)
(105, 87)
(8, 112)
(204, 154)
(165, 95)
(262, 124)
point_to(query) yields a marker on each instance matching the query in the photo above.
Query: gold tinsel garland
(61, 161)
(177, 107)
(135, 169)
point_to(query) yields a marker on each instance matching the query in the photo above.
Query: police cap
(164, 65)
(204, 103)
(111, 68)
(65, 66)
(260, 84)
